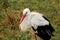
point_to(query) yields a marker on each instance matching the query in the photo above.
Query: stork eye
(26, 12)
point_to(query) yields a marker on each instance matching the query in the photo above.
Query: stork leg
(35, 38)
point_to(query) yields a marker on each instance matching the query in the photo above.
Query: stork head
(26, 11)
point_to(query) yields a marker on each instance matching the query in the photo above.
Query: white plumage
(37, 19)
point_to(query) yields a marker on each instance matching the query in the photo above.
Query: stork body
(40, 24)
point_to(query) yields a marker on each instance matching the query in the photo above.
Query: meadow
(11, 12)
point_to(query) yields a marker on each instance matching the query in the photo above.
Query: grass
(10, 14)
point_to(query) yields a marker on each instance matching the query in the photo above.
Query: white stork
(39, 23)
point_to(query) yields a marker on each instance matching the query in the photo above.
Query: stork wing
(38, 20)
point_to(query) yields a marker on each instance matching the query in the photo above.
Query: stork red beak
(22, 18)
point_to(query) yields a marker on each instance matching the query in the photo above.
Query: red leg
(35, 38)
